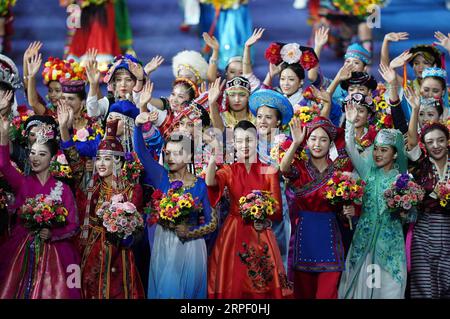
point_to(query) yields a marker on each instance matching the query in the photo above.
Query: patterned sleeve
(210, 217)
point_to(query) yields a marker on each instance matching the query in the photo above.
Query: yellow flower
(242, 200)
(339, 192)
(447, 197)
(269, 210)
(329, 195)
(254, 210)
(330, 182)
(443, 203)
(183, 203)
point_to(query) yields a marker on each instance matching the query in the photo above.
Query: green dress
(376, 262)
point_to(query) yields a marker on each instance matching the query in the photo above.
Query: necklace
(444, 176)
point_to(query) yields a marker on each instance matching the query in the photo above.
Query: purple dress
(48, 275)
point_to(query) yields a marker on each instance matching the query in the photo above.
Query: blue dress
(177, 269)
(282, 228)
(234, 27)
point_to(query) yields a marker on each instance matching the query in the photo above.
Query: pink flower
(251, 195)
(397, 198)
(62, 159)
(129, 207)
(82, 135)
(117, 198)
(406, 198)
(391, 203)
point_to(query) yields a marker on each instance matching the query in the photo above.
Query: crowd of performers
(231, 186)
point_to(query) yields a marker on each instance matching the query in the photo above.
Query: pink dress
(48, 275)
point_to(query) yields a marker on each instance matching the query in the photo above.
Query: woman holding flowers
(184, 216)
(430, 254)
(108, 269)
(272, 110)
(318, 250)
(36, 258)
(378, 243)
(245, 261)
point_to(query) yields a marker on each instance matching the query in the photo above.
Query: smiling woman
(45, 251)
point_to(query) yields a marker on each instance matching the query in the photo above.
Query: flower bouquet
(280, 147)
(344, 189)
(121, 219)
(442, 191)
(257, 206)
(60, 168)
(307, 113)
(403, 195)
(89, 133)
(43, 212)
(171, 209)
(17, 131)
(132, 168)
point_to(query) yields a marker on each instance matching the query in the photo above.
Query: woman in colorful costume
(378, 239)
(108, 269)
(272, 111)
(36, 263)
(179, 259)
(245, 262)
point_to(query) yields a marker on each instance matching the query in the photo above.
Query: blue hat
(357, 51)
(120, 62)
(126, 108)
(274, 100)
(436, 72)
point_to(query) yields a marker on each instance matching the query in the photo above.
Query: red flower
(22, 109)
(286, 144)
(157, 194)
(272, 53)
(308, 60)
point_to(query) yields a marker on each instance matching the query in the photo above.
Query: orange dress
(244, 264)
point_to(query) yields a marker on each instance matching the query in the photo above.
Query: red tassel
(443, 61)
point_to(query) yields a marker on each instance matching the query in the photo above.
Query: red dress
(243, 264)
(97, 36)
(108, 271)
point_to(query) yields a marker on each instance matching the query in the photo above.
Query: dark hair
(188, 88)
(186, 142)
(431, 127)
(52, 146)
(296, 68)
(244, 125)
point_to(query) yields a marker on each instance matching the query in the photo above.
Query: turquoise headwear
(274, 100)
(439, 73)
(357, 51)
(394, 138)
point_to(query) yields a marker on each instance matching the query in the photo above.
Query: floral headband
(291, 53)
